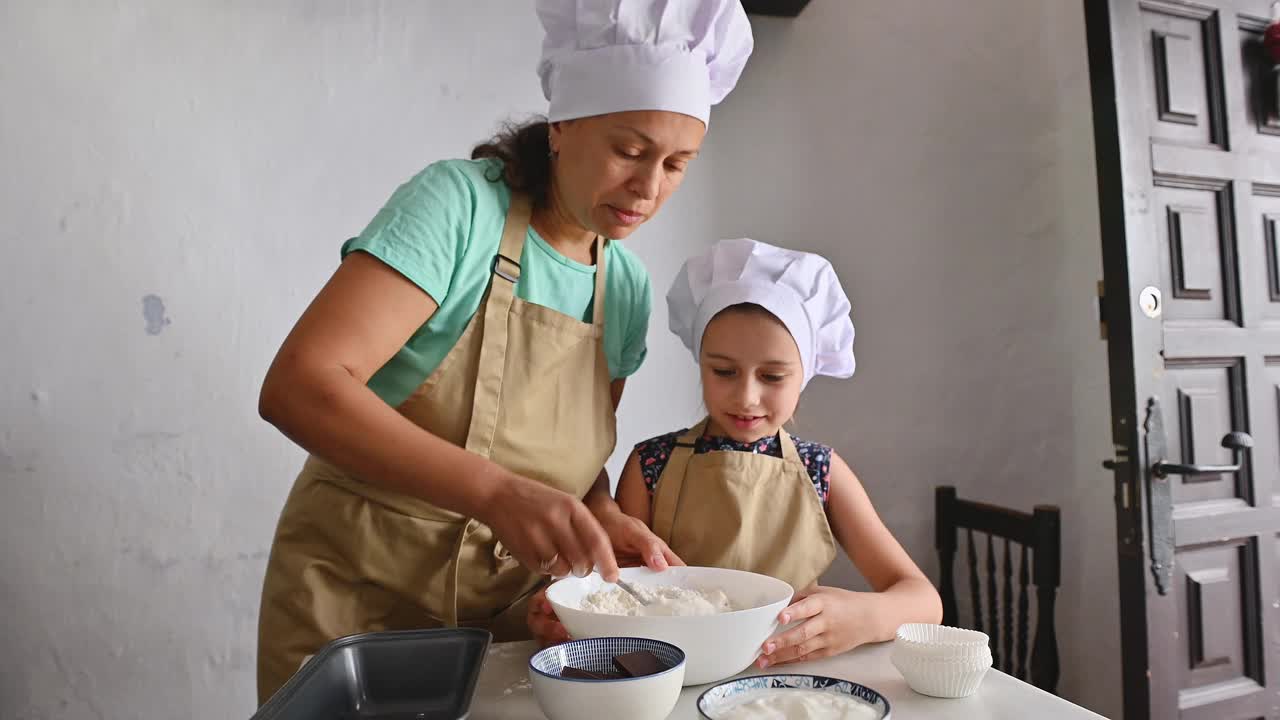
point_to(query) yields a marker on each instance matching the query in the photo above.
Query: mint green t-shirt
(441, 230)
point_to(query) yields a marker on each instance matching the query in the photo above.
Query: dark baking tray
(397, 675)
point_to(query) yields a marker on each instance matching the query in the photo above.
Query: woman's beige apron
(743, 511)
(526, 387)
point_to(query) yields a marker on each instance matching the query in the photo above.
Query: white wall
(214, 155)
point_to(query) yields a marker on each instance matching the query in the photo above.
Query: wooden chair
(1039, 533)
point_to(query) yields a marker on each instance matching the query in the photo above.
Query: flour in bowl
(798, 705)
(668, 600)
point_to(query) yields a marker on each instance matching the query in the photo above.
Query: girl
(737, 490)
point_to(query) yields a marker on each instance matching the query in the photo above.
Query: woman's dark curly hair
(525, 152)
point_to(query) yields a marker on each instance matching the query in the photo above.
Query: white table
(504, 690)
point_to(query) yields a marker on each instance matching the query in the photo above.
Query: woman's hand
(543, 623)
(832, 621)
(635, 544)
(547, 530)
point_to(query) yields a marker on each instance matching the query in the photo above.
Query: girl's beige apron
(743, 511)
(525, 386)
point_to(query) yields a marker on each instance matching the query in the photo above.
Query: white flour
(669, 600)
(798, 705)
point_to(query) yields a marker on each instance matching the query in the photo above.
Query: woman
(456, 379)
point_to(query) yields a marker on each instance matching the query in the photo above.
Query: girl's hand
(833, 621)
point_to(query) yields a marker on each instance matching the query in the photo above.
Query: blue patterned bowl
(651, 697)
(722, 697)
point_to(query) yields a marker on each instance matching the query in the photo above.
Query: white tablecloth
(504, 691)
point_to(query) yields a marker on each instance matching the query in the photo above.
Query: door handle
(1237, 442)
(1161, 542)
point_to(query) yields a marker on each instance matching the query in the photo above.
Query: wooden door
(1187, 131)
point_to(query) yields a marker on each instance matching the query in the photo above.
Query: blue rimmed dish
(720, 699)
(649, 697)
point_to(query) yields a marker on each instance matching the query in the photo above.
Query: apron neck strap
(597, 307)
(672, 481)
(691, 435)
(507, 263)
(785, 442)
(493, 343)
(788, 447)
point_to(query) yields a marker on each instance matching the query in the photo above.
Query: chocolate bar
(638, 664)
(569, 671)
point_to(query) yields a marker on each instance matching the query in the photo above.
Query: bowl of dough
(718, 617)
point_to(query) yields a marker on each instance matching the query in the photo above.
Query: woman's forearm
(334, 416)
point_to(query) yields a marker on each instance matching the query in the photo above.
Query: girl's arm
(636, 503)
(904, 593)
(834, 620)
(633, 496)
(632, 541)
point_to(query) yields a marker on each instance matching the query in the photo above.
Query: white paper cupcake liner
(942, 678)
(941, 661)
(942, 641)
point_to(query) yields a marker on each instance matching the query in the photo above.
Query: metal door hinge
(1102, 312)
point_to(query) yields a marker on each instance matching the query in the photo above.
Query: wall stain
(153, 313)
(149, 558)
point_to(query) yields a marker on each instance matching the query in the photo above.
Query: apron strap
(597, 307)
(492, 364)
(451, 576)
(671, 482)
(493, 343)
(788, 447)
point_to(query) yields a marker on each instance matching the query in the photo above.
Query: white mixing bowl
(715, 646)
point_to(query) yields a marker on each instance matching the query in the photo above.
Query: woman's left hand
(830, 621)
(635, 544)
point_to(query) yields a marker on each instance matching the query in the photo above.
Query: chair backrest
(1039, 534)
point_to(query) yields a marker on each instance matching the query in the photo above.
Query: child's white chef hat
(800, 289)
(603, 56)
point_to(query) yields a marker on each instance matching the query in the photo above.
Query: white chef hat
(603, 56)
(799, 288)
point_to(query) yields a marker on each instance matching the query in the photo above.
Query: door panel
(1217, 656)
(1181, 44)
(1208, 403)
(1195, 245)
